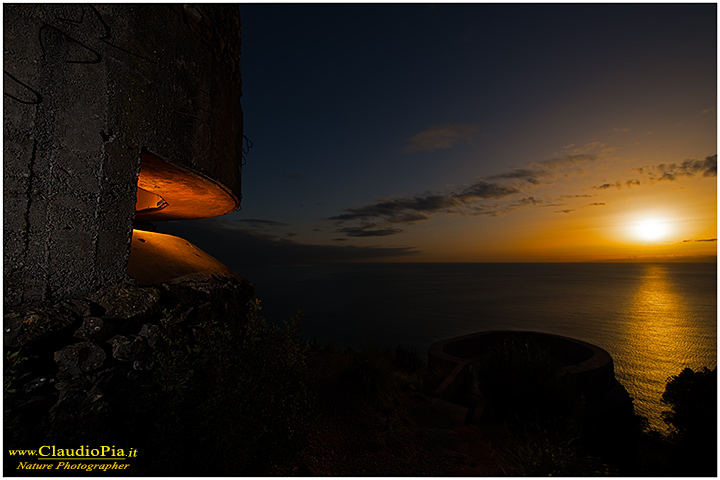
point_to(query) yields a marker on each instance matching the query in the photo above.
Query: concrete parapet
(590, 365)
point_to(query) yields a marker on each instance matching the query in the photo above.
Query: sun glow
(651, 229)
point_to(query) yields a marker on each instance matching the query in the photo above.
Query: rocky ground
(73, 365)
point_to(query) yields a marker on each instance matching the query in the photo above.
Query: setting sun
(651, 229)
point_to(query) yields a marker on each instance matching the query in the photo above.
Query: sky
(474, 133)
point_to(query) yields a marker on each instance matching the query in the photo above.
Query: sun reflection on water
(659, 335)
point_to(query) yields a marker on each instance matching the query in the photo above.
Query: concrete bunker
(114, 115)
(90, 91)
(590, 366)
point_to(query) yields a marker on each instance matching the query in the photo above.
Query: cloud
(527, 201)
(238, 247)
(441, 137)
(529, 175)
(701, 240)
(393, 209)
(597, 147)
(490, 211)
(409, 218)
(261, 224)
(378, 217)
(482, 190)
(547, 171)
(565, 211)
(707, 167)
(368, 231)
(490, 196)
(605, 186)
(597, 204)
(668, 172)
(567, 161)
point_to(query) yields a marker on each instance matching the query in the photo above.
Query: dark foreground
(209, 388)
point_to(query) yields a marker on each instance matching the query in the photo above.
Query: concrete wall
(87, 89)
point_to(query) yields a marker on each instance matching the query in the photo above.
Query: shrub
(238, 400)
(692, 397)
(537, 452)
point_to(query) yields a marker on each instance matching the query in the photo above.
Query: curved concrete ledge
(158, 258)
(591, 366)
(186, 194)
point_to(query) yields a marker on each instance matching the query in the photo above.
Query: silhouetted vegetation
(236, 399)
(690, 447)
(692, 398)
(536, 451)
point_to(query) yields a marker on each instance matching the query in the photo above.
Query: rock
(81, 358)
(27, 327)
(151, 333)
(101, 377)
(36, 384)
(128, 302)
(127, 349)
(68, 403)
(183, 294)
(69, 385)
(80, 307)
(95, 394)
(93, 329)
(180, 315)
(143, 366)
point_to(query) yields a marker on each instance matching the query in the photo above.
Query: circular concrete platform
(591, 366)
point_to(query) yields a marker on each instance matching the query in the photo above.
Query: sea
(655, 319)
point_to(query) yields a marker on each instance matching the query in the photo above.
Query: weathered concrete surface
(87, 90)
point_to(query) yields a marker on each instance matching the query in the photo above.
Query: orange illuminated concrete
(188, 195)
(159, 258)
(148, 201)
